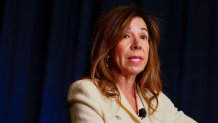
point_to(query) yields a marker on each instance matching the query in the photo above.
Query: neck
(127, 84)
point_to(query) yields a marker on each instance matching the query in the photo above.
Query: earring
(107, 61)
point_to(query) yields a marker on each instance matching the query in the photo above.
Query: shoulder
(85, 98)
(164, 99)
(167, 109)
(83, 88)
(84, 95)
(165, 104)
(83, 84)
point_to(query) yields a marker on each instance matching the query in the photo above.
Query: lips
(135, 59)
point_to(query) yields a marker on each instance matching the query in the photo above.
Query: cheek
(146, 53)
(118, 54)
(120, 50)
(146, 49)
(120, 47)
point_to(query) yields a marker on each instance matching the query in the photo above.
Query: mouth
(135, 58)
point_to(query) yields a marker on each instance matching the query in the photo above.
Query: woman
(125, 84)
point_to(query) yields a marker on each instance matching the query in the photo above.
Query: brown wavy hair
(107, 33)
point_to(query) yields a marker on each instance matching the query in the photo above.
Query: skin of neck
(127, 84)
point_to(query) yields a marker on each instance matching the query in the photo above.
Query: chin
(136, 72)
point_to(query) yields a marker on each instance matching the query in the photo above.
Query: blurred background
(45, 46)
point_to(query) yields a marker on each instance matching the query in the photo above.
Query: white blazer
(88, 105)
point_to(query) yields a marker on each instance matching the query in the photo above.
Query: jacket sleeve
(84, 103)
(178, 116)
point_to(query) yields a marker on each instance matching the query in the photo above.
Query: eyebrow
(144, 29)
(141, 29)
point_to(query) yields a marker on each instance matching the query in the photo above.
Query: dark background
(44, 47)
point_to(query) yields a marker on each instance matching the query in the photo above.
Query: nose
(136, 45)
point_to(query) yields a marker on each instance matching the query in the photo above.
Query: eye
(126, 36)
(144, 37)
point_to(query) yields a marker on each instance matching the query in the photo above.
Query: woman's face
(130, 56)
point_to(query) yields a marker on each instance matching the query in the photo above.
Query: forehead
(136, 23)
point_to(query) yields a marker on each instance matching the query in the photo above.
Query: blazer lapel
(124, 104)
